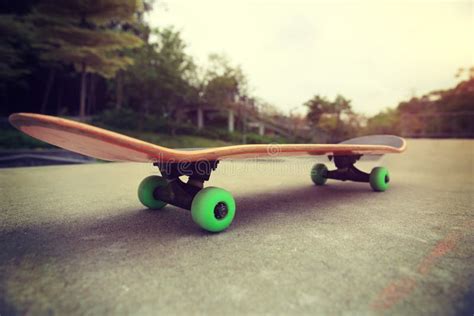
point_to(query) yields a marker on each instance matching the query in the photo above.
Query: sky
(376, 53)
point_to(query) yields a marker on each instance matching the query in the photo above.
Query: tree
(87, 35)
(160, 81)
(385, 122)
(439, 113)
(317, 106)
(340, 106)
(15, 54)
(175, 72)
(16, 40)
(140, 28)
(328, 116)
(223, 84)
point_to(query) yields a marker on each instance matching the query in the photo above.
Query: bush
(127, 119)
(11, 138)
(122, 118)
(258, 139)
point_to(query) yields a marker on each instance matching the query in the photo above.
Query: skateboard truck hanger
(181, 193)
(378, 177)
(346, 169)
(211, 208)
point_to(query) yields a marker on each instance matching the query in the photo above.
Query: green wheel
(146, 189)
(319, 173)
(379, 179)
(213, 209)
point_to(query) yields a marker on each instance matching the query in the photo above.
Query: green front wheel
(213, 209)
(379, 179)
(319, 174)
(146, 189)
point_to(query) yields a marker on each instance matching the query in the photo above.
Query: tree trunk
(200, 118)
(230, 121)
(91, 95)
(82, 104)
(177, 122)
(339, 133)
(143, 114)
(47, 91)
(244, 127)
(60, 97)
(119, 91)
(4, 94)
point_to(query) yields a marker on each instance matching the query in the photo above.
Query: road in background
(75, 240)
(41, 157)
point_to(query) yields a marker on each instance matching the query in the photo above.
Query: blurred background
(212, 73)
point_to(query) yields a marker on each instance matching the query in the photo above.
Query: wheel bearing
(220, 210)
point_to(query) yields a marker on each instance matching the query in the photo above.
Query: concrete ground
(75, 240)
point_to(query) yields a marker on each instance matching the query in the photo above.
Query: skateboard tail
(89, 140)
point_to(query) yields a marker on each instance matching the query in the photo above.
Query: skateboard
(212, 208)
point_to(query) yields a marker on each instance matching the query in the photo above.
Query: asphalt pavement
(75, 240)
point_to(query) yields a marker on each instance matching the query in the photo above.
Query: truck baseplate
(178, 192)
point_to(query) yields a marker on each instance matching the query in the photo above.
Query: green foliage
(178, 141)
(158, 83)
(340, 105)
(14, 48)
(11, 138)
(126, 119)
(98, 12)
(259, 139)
(439, 113)
(118, 118)
(334, 118)
(386, 122)
(80, 33)
(317, 106)
(223, 83)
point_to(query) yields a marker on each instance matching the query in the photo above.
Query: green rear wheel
(213, 209)
(146, 189)
(319, 173)
(379, 179)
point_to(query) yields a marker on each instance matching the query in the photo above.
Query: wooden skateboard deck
(107, 145)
